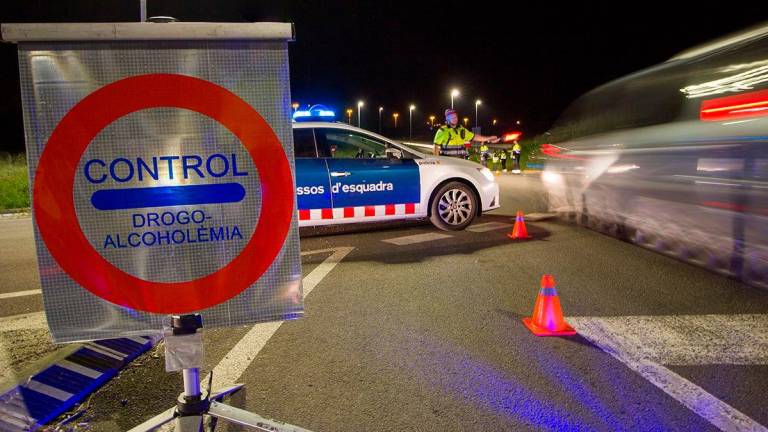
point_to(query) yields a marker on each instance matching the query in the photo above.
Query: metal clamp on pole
(193, 402)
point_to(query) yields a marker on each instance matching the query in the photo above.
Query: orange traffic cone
(519, 231)
(547, 319)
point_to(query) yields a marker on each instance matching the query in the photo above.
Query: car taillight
(511, 136)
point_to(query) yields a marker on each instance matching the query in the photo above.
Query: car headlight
(486, 173)
(550, 177)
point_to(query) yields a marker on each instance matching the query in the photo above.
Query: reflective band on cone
(519, 231)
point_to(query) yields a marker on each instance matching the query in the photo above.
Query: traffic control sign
(161, 165)
(57, 218)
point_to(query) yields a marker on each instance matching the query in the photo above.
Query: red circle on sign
(55, 178)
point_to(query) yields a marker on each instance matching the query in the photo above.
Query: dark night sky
(524, 60)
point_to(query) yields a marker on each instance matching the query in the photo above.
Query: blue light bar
(314, 112)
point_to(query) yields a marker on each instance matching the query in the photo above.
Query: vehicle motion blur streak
(675, 157)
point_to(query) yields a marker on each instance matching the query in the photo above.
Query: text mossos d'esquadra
(361, 188)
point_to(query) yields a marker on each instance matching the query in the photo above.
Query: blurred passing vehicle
(675, 157)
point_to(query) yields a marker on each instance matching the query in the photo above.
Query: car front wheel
(453, 207)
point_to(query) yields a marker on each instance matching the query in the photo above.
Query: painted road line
(488, 226)
(232, 366)
(20, 294)
(311, 280)
(628, 339)
(693, 340)
(417, 238)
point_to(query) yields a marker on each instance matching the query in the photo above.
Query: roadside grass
(14, 183)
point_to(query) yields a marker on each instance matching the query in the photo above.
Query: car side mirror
(394, 153)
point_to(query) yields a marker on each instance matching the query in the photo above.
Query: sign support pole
(194, 404)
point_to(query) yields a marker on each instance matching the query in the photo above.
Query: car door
(313, 192)
(365, 181)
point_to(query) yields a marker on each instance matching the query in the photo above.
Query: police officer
(516, 153)
(450, 139)
(484, 154)
(495, 162)
(503, 156)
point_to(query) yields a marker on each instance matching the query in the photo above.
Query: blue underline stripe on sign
(166, 196)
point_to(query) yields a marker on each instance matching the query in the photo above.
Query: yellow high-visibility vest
(448, 136)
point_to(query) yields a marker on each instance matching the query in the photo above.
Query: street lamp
(295, 106)
(518, 122)
(349, 115)
(432, 121)
(395, 115)
(494, 122)
(359, 105)
(477, 104)
(410, 121)
(454, 93)
(380, 110)
(466, 121)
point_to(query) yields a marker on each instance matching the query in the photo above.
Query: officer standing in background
(484, 154)
(516, 153)
(451, 137)
(503, 156)
(495, 161)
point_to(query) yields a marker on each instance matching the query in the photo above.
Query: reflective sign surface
(163, 183)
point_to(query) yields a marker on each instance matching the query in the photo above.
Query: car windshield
(350, 145)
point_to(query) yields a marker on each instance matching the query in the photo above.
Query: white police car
(346, 174)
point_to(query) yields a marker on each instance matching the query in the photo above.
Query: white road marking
(692, 340)
(643, 342)
(20, 294)
(489, 226)
(417, 238)
(232, 366)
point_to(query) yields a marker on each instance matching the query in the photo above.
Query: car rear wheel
(453, 207)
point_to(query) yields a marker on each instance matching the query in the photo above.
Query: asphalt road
(425, 333)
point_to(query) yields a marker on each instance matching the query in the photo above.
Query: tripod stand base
(218, 410)
(249, 419)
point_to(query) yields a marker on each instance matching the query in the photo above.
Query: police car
(346, 174)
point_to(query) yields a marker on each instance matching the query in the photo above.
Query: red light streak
(752, 104)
